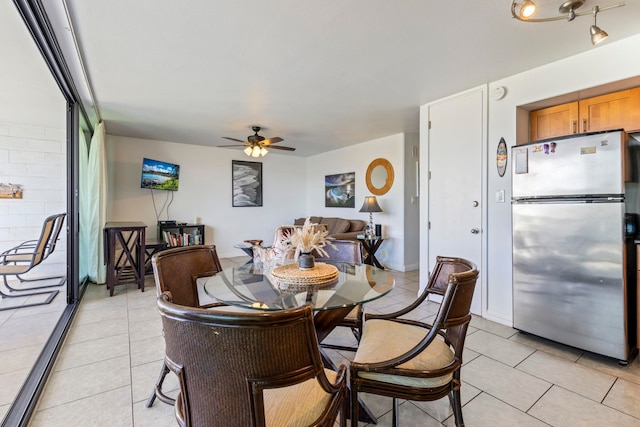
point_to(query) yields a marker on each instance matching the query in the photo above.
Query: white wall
(293, 187)
(204, 191)
(35, 158)
(604, 64)
(356, 158)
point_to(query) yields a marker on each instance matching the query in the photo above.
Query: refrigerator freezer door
(568, 274)
(584, 165)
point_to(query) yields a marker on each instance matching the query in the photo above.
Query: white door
(456, 138)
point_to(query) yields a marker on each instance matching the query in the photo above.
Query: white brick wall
(35, 158)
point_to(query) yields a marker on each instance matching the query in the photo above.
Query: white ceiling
(321, 74)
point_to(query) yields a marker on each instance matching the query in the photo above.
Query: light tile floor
(23, 334)
(113, 354)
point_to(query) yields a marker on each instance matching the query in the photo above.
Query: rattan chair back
(344, 251)
(225, 360)
(176, 269)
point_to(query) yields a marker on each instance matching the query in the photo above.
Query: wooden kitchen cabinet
(617, 110)
(558, 120)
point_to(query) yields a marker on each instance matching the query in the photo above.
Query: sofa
(338, 228)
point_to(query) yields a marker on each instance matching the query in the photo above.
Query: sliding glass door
(41, 119)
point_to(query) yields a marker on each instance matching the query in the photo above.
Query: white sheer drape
(85, 207)
(96, 205)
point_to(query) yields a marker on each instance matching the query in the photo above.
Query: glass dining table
(253, 286)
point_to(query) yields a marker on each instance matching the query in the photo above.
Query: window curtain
(96, 208)
(85, 207)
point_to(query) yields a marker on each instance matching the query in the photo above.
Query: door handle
(584, 125)
(475, 231)
(475, 204)
(575, 126)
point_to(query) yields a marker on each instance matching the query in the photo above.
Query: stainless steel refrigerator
(573, 274)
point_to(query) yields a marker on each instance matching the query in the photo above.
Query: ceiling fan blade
(234, 145)
(271, 140)
(279, 147)
(233, 139)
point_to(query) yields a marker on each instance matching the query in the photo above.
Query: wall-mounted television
(158, 175)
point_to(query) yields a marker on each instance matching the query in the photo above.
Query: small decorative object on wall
(501, 157)
(339, 190)
(247, 183)
(10, 191)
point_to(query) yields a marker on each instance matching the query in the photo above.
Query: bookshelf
(181, 234)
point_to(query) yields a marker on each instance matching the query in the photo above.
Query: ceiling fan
(256, 145)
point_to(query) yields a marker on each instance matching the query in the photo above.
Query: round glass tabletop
(253, 286)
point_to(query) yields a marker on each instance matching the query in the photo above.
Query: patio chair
(255, 368)
(36, 251)
(408, 359)
(23, 258)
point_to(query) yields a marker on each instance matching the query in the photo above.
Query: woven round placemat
(291, 277)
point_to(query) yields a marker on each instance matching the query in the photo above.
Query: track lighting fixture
(526, 10)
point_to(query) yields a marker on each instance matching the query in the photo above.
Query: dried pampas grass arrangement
(309, 237)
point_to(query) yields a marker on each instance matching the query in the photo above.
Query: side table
(370, 246)
(127, 266)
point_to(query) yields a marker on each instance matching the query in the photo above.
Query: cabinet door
(558, 120)
(618, 110)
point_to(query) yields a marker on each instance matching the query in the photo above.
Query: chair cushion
(383, 340)
(354, 314)
(297, 405)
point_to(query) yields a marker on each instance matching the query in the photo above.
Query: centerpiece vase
(306, 261)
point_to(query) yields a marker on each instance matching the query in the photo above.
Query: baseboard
(498, 318)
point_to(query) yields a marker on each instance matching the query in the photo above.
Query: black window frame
(39, 26)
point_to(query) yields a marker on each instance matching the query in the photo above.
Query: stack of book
(181, 239)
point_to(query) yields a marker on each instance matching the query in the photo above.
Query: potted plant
(306, 239)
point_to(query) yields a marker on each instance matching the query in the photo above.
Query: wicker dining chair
(176, 270)
(345, 251)
(408, 359)
(254, 368)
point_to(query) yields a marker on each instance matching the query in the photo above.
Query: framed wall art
(339, 190)
(246, 179)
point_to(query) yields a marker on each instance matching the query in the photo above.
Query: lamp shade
(370, 205)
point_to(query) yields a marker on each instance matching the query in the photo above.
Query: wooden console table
(127, 265)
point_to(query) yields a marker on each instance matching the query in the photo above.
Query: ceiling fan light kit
(256, 145)
(525, 11)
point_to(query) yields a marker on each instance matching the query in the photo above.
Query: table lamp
(370, 205)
